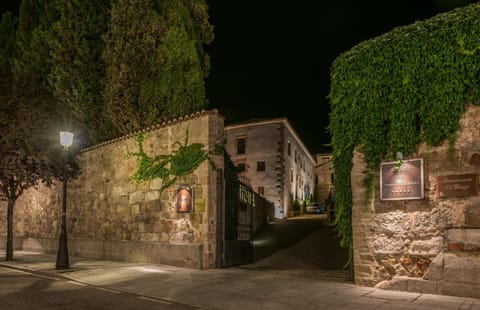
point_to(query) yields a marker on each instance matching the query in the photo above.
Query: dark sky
(272, 58)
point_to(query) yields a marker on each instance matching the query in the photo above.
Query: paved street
(304, 242)
(231, 288)
(20, 290)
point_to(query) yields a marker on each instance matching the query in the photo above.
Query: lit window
(241, 143)
(260, 166)
(261, 190)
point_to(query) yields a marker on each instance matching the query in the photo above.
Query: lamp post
(66, 139)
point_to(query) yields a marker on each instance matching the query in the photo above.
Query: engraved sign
(402, 181)
(459, 185)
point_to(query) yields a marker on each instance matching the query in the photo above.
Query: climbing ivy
(392, 92)
(168, 167)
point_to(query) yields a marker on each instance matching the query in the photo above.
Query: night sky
(272, 58)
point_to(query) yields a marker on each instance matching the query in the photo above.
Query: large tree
(76, 76)
(29, 150)
(32, 53)
(155, 61)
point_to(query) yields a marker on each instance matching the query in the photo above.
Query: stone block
(118, 191)
(388, 246)
(152, 195)
(124, 200)
(151, 237)
(164, 237)
(428, 247)
(136, 197)
(155, 184)
(469, 238)
(135, 209)
(367, 258)
(454, 268)
(123, 210)
(366, 269)
(472, 216)
(392, 223)
(425, 224)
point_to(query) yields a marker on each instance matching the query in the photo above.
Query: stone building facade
(429, 245)
(274, 161)
(110, 216)
(324, 183)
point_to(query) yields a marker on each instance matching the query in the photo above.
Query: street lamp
(66, 140)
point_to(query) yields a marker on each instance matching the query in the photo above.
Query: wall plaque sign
(402, 182)
(459, 185)
(200, 205)
(184, 198)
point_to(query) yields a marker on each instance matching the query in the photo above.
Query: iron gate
(236, 212)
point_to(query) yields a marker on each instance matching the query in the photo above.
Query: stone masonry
(110, 216)
(430, 245)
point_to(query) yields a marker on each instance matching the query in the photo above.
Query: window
(289, 148)
(295, 155)
(261, 190)
(260, 166)
(241, 144)
(241, 167)
(291, 175)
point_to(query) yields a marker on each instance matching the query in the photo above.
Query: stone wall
(429, 245)
(110, 216)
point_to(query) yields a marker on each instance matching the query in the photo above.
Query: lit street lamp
(66, 140)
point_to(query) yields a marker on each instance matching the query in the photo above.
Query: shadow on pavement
(306, 243)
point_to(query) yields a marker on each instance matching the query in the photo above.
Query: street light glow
(66, 139)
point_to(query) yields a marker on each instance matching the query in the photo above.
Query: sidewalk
(232, 288)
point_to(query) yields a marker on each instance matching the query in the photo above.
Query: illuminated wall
(110, 216)
(429, 245)
(288, 166)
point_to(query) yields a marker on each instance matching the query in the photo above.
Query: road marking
(155, 300)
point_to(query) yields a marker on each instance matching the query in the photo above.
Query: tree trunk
(9, 253)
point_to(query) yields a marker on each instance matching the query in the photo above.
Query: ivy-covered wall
(408, 86)
(429, 245)
(112, 216)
